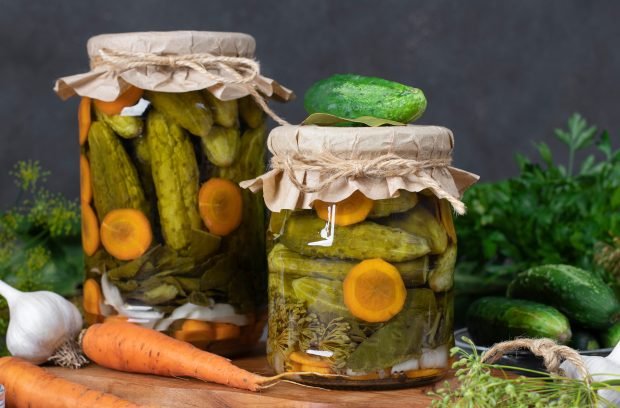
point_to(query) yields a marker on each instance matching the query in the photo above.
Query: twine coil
(553, 354)
(331, 168)
(242, 71)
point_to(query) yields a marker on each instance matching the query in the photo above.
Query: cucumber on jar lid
(581, 295)
(494, 319)
(353, 96)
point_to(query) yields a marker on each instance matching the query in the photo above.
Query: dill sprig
(482, 385)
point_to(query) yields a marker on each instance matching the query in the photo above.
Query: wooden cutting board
(173, 392)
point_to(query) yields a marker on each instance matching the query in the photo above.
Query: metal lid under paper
(330, 163)
(175, 61)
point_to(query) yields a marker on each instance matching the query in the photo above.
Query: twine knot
(221, 69)
(553, 354)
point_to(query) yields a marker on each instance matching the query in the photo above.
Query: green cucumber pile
(568, 304)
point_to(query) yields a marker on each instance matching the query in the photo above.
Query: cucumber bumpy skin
(493, 319)
(419, 221)
(365, 240)
(114, 178)
(175, 175)
(579, 294)
(283, 260)
(187, 109)
(353, 96)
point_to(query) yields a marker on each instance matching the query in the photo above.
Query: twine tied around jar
(332, 168)
(553, 354)
(242, 70)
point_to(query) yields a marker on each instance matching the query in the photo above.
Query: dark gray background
(500, 74)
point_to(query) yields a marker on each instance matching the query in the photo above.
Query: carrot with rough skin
(128, 98)
(29, 386)
(136, 349)
(84, 119)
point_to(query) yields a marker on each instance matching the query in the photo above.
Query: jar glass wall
(170, 240)
(363, 289)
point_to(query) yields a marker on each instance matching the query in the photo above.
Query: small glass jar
(170, 240)
(360, 285)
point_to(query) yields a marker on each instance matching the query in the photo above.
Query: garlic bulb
(40, 323)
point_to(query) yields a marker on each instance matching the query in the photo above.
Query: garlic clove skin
(40, 322)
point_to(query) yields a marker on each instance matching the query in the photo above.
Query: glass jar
(360, 284)
(170, 240)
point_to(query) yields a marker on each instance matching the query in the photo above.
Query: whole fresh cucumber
(353, 96)
(493, 319)
(579, 294)
(583, 340)
(611, 336)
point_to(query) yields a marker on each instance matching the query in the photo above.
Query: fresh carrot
(221, 205)
(136, 349)
(128, 98)
(90, 230)
(86, 189)
(29, 386)
(84, 119)
(126, 233)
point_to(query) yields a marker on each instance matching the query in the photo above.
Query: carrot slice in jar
(220, 205)
(90, 230)
(126, 233)
(351, 210)
(128, 98)
(86, 190)
(374, 291)
(92, 297)
(84, 119)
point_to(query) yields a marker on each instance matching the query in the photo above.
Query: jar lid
(176, 61)
(330, 163)
(175, 43)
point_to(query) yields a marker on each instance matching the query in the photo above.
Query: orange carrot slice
(226, 331)
(194, 331)
(92, 297)
(86, 190)
(306, 359)
(374, 290)
(90, 230)
(221, 206)
(315, 369)
(425, 372)
(84, 118)
(128, 98)
(115, 319)
(126, 233)
(351, 210)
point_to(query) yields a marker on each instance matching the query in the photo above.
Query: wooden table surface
(173, 392)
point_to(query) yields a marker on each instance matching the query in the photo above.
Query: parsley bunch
(548, 214)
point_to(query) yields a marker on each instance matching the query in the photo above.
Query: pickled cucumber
(441, 277)
(126, 127)
(175, 174)
(321, 295)
(225, 113)
(114, 178)
(421, 222)
(251, 160)
(221, 145)
(404, 202)
(250, 112)
(401, 338)
(311, 236)
(187, 109)
(283, 260)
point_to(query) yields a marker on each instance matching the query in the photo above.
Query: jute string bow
(552, 353)
(332, 168)
(243, 71)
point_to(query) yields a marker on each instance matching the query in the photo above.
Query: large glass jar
(170, 240)
(360, 287)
